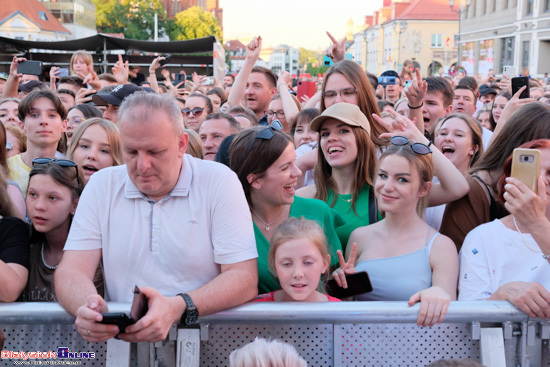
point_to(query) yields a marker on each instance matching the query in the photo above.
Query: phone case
(526, 166)
(519, 82)
(510, 71)
(358, 283)
(30, 67)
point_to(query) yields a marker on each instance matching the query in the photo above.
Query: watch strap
(191, 314)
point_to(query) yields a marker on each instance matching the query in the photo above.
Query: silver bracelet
(546, 257)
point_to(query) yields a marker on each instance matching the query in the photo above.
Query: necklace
(44, 261)
(346, 200)
(268, 225)
(521, 235)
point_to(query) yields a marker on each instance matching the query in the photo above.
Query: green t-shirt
(352, 220)
(312, 209)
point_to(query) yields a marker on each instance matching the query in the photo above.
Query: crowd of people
(208, 194)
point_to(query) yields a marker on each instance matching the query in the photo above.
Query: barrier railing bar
(264, 312)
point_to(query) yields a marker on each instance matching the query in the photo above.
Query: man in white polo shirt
(176, 226)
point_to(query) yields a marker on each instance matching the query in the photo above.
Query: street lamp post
(459, 11)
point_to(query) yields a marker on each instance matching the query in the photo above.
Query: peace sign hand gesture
(345, 268)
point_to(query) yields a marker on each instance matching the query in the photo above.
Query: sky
(297, 23)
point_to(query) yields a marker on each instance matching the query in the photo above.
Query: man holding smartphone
(176, 226)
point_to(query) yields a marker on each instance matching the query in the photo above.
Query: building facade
(419, 30)
(78, 16)
(29, 20)
(495, 33)
(284, 58)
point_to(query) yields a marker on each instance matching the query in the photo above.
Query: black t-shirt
(14, 241)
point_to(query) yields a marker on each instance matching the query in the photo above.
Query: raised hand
(336, 51)
(345, 268)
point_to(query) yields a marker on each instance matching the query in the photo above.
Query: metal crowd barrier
(493, 333)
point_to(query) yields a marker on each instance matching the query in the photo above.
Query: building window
(525, 54)
(42, 15)
(437, 40)
(546, 5)
(529, 7)
(493, 6)
(507, 51)
(504, 4)
(483, 5)
(473, 6)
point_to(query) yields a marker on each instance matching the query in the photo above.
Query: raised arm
(415, 94)
(236, 94)
(336, 51)
(290, 108)
(10, 88)
(153, 73)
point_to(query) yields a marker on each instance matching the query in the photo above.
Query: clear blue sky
(298, 23)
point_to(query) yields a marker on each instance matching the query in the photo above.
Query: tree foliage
(194, 23)
(134, 18)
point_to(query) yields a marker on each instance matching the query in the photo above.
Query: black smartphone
(178, 78)
(122, 320)
(119, 319)
(517, 83)
(29, 67)
(358, 283)
(387, 80)
(167, 59)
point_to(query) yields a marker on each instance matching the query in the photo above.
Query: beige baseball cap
(348, 113)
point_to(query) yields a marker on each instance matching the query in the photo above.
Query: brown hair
(113, 137)
(194, 148)
(3, 150)
(27, 103)
(22, 138)
(530, 122)
(251, 155)
(507, 168)
(219, 92)
(365, 164)
(423, 164)
(365, 94)
(270, 76)
(304, 116)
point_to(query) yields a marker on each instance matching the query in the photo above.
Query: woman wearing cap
(263, 159)
(346, 165)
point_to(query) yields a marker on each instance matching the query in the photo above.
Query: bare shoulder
(307, 192)
(443, 249)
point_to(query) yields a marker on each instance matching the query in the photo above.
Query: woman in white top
(507, 259)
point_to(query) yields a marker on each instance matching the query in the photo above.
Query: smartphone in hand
(122, 320)
(358, 283)
(517, 83)
(526, 166)
(30, 67)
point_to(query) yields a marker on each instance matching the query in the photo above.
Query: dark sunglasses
(418, 148)
(197, 111)
(59, 162)
(265, 134)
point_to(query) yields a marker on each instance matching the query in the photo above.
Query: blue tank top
(398, 278)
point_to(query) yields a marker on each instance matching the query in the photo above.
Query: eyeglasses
(344, 93)
(9, 145)
(265, 134)
(197, 111)
(418, 148)
(76, 120)
(59, 162)
(280, 114)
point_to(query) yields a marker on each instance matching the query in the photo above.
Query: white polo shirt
(174, 245)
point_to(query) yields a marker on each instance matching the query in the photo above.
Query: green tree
(194, 23)
(134, 18)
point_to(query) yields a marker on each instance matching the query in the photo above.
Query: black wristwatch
(191, 314)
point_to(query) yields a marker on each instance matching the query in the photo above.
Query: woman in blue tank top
(405, 258)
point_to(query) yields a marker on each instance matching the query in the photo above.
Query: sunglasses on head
(418, 148)
(197, 111)
(59, 162)
(265, 134)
